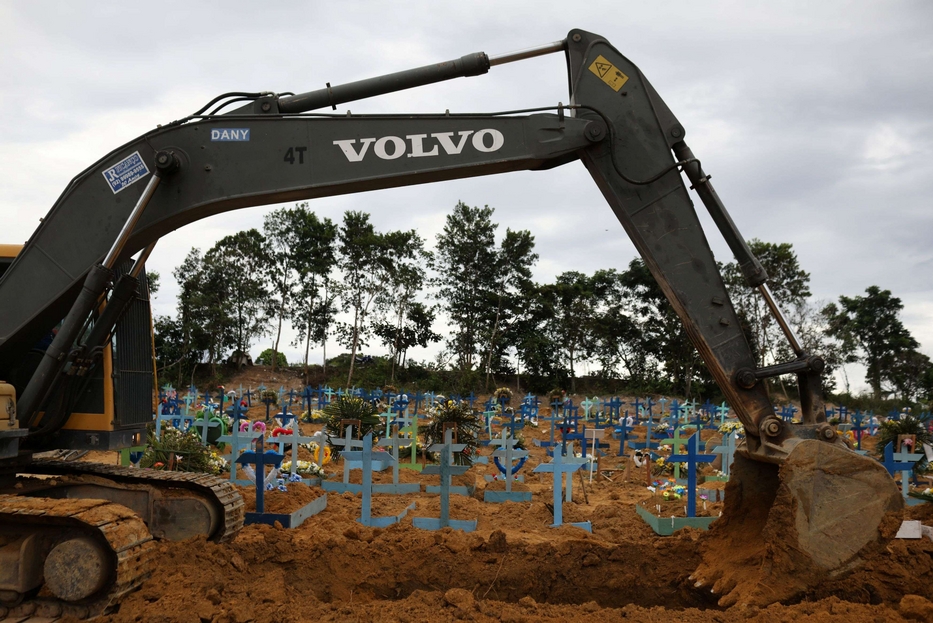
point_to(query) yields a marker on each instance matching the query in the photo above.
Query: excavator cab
(110, 407)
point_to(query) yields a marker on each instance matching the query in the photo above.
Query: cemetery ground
(513, 567)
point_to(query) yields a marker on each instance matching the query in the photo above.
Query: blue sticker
(126, 172)
(230, 134)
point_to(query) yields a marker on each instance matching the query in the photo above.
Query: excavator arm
(274, 149)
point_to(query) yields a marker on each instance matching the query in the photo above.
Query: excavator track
(224, 495)
(111, 526)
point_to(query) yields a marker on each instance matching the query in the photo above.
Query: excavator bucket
(786, 528)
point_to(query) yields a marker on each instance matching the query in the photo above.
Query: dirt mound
(285, 502)
(783, 531)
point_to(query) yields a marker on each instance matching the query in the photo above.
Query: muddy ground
(514, 567)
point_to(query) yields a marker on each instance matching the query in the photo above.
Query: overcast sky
(814, 118)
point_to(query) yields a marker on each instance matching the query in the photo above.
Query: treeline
(497, 322)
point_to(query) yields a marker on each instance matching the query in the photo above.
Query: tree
(617, 334)
(663, 336)
(790, 286)
(314, 262)
(478, 284)
(571, 303)
(515, 258)
(466, 262)
(173, 352)
(204, 321)
(404, 322)
(415, 330)
(153, 278)
(282, 229)
(910, 374)
(239, 260)
(868, 328)
(535, 350)
(368, 260)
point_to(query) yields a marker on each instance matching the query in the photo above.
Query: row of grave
(565, 417)
(609, 409)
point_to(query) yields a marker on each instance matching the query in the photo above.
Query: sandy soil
(514, 567)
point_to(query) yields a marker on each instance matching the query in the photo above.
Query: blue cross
(553, 419)
(638, 408)
(514, 423)
(306, 399)
(294, 438)
(206, 422)
(348, 443)
(419, 398)
(259, 459)
(727, 450)
(722, 411)
(622, 430)
(692, 458)
(446, 470)
(526, 412)
(892, 464)
(587, 405)
(509, 452)
(268, 400)
(365, 457)
(188, 400)
(238, 442)
(648, 405)
(572, 417)
(858, 428)
(285, 416)
(395, 442)
(676, 409)
(909, 458)
(487, 416)
(558, 468)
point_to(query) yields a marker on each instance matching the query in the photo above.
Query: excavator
(75, 328)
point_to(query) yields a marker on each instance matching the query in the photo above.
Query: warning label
(608, 73)
(125, 172)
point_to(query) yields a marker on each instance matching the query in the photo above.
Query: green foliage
(239, 259)
(315, 259)
(572, 309)
(371, 262)
(265, 359)
(870, 331)
(907, 425)
(153, 280)
(350, 408)
(479, 283)
(662, 340)
(181, 450)
(468, 427)
(790, 286)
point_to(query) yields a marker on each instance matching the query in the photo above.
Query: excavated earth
(514, 567)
